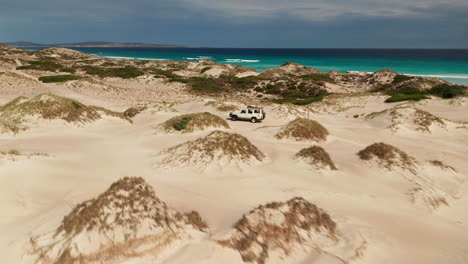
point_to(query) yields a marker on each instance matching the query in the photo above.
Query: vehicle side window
(257, 111)
(243, 112)
(250, 111)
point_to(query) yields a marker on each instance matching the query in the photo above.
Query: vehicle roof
(254, 107)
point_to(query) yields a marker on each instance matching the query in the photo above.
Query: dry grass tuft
(442, 165)
(317, 157)
(14, 154)
(388, 156)
(49, 106)
(424, 120)
(280, 226)
(427, 197)
(418, 119)
(193, 122)
(303, 129)
(133, 111)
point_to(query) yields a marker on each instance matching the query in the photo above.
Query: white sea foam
(200, 58)
(150, 59)
(241, 60)
(454, 76)
(119, 57)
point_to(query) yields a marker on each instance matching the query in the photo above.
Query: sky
(241, 23)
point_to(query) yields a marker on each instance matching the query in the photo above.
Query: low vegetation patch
(126, 72)
(447, 90)
(317, 157)
(413, 94)
(318, 77)
(58, 78)
(42, 65)
(302, 129)
(193, 122)
(294, 92)
(406, 97)
(298, 101)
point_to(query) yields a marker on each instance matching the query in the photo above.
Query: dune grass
(193, 122)
(388, 156)
(279, 227)
(316, 156)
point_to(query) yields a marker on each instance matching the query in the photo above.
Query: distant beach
(447, 64)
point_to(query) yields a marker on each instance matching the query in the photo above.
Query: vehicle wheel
(253, 120)
(233, 118)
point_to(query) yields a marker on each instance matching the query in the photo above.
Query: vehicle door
(243, 114)
(250, 114)
(257, 113)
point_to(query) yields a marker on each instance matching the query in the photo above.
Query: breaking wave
(200, 58)
(241, 60)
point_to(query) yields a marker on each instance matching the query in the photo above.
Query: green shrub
(447, 90)
(401, 78)
(70, 70)
(57, 78)
(406, 97)
(205, 69)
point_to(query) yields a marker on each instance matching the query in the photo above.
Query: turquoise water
(451, 65)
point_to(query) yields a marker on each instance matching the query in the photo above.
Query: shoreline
(447, 67)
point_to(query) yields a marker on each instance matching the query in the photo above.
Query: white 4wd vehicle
(252, 113)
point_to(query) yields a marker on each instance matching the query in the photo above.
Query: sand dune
(218, 149)
(22, 113)
(349, 179)
(125, 222)
(401, 119)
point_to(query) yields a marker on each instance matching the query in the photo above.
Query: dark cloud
(241, 23)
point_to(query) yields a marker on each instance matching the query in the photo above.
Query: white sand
(368, 203)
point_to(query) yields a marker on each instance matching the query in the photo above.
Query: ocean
(447, 64)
